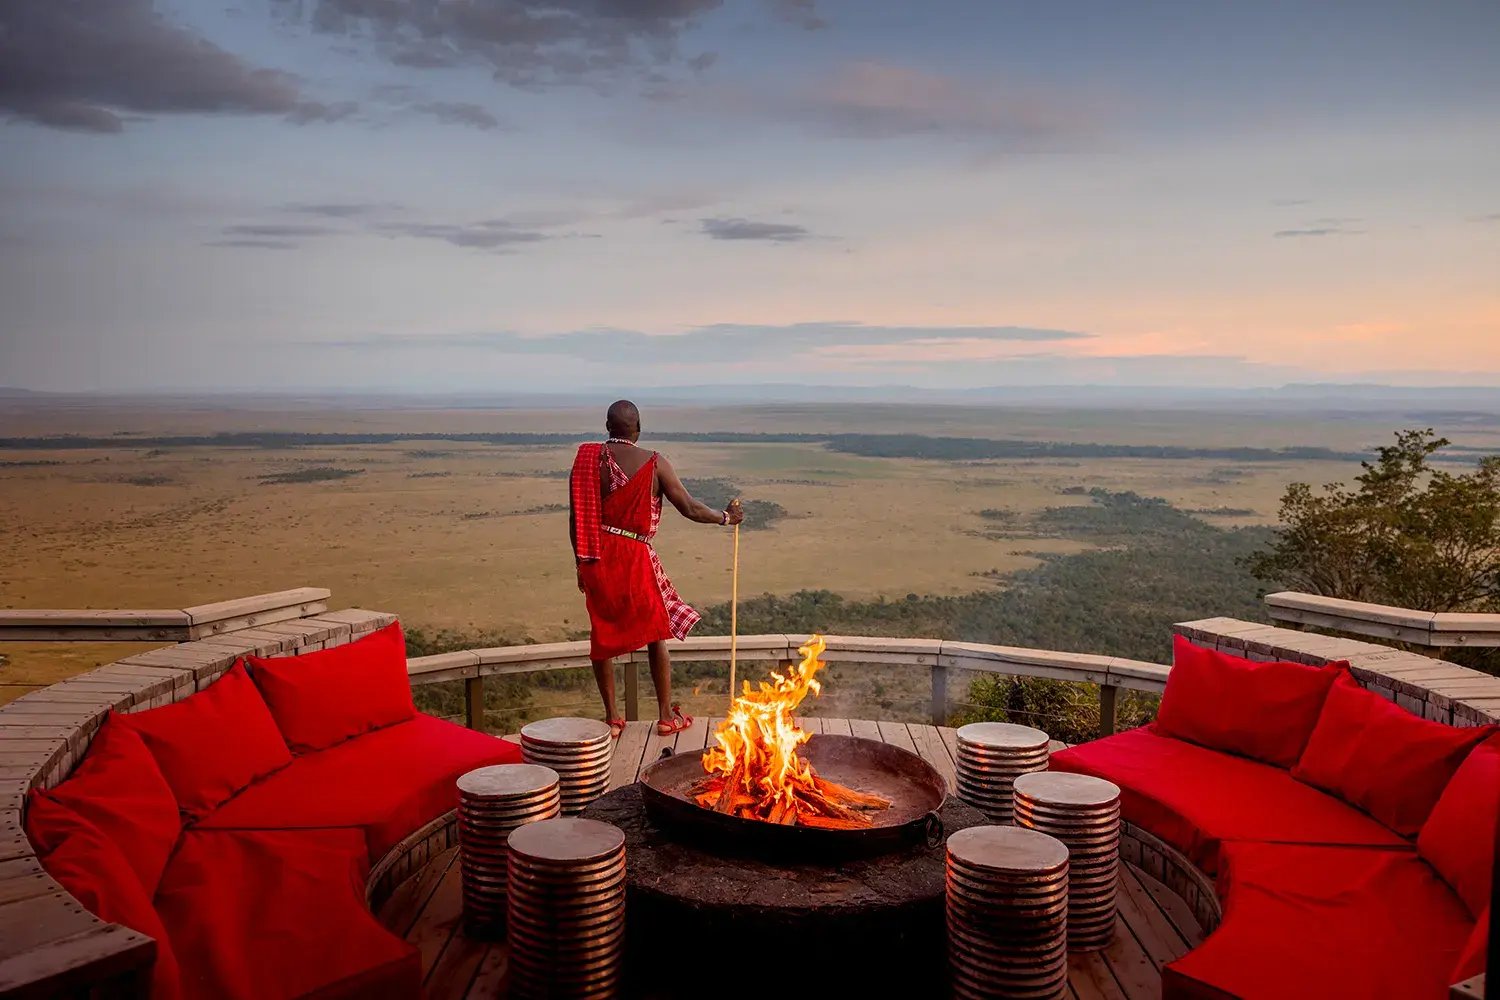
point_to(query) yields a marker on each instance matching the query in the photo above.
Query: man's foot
(676, 724)
(616, 727)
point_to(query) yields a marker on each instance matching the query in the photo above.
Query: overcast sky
(501, 194)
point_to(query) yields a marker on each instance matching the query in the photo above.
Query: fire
(756, 770)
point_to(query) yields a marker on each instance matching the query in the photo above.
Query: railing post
(1107, 696)
(632, 690)
(939, 695)
(474, 702)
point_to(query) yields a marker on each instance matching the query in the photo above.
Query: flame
(755, 770)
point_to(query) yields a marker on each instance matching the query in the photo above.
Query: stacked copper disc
(492, 803)
(1007, 902)
(991, 755)
(1084, 813)
(578, 750)
(566, 915)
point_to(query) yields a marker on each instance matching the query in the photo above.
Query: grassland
(472, 536)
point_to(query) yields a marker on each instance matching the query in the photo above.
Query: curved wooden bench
(49, 944)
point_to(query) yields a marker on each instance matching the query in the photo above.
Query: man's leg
(604, 676)
(661, 678)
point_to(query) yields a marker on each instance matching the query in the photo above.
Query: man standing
(616, 490)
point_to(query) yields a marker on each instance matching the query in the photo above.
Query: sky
(504, 195)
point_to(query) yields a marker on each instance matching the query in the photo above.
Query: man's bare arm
(693, 510)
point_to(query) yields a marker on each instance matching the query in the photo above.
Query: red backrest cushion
(1458, 839)
(1381, 758)
(1264, 711)
(1471, 960)
(213, 743)
(323, 698)
(97, 875)
(121, 791)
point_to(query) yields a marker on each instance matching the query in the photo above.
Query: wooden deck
(1155, 926)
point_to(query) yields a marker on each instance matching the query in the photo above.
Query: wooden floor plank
(950, 740)
(864, 728)
(897, 735)
(811, 723)
(838, 727)
(1090, 977)
(405, 905)
(695, 737)
(456, 966)
(626, 763)
(492, 980)
(1176, 910)
(1161, 941)
(1134, 972)
(931, 749)
(440, 919)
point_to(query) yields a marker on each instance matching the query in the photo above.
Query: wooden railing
(936, 656)
(1419, 628)
(163, 625)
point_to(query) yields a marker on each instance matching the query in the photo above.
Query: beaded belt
(626, 534)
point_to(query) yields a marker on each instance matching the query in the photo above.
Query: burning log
(829, 823)
(848, 796)
(732, 784)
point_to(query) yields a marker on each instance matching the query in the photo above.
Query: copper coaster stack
(578, 750)
(991, 755)
(1084, 813)
(492, 803)
(566, 915)
(1007, 901)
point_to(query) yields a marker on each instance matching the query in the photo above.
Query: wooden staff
(734, 609)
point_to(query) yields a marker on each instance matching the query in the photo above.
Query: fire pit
(830, 844)
(914, 789)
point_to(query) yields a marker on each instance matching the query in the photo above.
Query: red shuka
(631, 602)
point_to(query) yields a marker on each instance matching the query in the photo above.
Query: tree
(1405, 533)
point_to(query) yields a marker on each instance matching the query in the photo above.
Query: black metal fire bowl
(915, 789)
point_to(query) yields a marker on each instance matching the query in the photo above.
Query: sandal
(616, 727)
(676, 724)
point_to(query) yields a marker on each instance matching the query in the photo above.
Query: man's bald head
(623, 420)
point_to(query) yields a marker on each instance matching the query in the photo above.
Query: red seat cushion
(1325, 922)
(120, 790)
(323, 698)
(99, 876)
(1264, 711)
(1458, 839)
(1381, 758)
(212, 744)
(1471, 959)
(388, 783)
(266, 914)
(1195, 799)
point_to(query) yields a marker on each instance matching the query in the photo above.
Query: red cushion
(1326, 922)
(1458, 839)
(212, 744)
(388, 783)
(1471, 959)
(1195, 798)
(120, 790)
(1381, 758)
(267, 914)
(323, 698)
(98, 875)
(1264, 711)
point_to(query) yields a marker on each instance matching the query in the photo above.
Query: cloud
(1290, 202)
(339, 209)
(89, 65)
(744, 229)
(490, 234)
(310, 112)
(522, 42)
(277, 230)
(802, 13)
(459, 113)
(255, 244)
(1327, 226)
(877, 100)
(1491, 217)
(724, 342)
